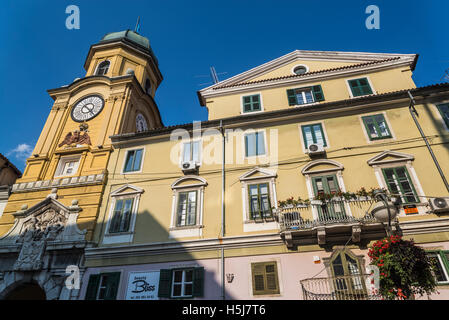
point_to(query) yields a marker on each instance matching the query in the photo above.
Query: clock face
(141, 123)
(87, 108)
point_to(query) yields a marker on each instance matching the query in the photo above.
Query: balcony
(329, 222)
(350, 287)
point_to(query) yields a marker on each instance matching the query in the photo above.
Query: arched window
(148, 87)
(103, 68)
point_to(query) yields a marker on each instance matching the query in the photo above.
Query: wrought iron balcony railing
(350, 287)
(324, 213)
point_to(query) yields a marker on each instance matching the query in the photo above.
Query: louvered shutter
(112, 286)
(165, 283)
(291, 97)
(318, 93)
(198, 282)
(92, 287)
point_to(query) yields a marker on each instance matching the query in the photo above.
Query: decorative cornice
(59, 183)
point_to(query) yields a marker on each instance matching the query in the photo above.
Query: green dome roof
(129, 35)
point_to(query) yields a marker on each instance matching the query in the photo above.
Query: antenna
(213, 74)
(446, 76)
(137, 28)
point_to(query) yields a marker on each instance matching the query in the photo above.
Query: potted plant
(404, 268)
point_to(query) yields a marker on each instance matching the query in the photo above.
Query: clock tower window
(103, 68)
(68, 166)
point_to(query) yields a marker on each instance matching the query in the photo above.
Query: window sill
(304, 104)
(119, 237)
(186, 227)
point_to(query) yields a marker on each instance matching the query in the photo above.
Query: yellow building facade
(321, 127)
(272, 190)
(61, 188)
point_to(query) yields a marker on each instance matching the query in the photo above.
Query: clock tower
(64, 178)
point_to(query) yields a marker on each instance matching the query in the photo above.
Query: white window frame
(309, 173)
(360, 77)
(301, 136)
(98, 65)
(251, 131)
(367, 138)
(406, 161)
(126, 157)
(200, 149)
(177, 187)
(299, 65)
(262, 176)
(446, 273)
(123, 237)
(61, 166)
(242, 111)
(183, 282)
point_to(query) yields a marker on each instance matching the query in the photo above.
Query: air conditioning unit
(315, 149)
(439, 205)
(189, 166)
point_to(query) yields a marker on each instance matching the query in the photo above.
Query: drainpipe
(222, 233)
(414, 113)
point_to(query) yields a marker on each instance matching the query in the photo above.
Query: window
(141, 123)
(67, 166)
(330, 210)
(103, 68)
(360, 87)
(133, 160)
(259, 201)
(305, 95)
(313, 133)
(376, 127)
(103, 286)
(299, 70)
(181, 283)
(148, 86)
(400, 184)
(265, 278)
(254, 144)
(191, 151)
(346, 271)
(121, 216)
(444, 111)
(187, 205)
(251, 103)
(441, 271)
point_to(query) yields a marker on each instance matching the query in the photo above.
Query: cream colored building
(311, 125)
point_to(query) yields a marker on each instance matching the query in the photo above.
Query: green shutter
(92, 287)
(112, 286)
(198, 282)
(165, 278)
(291, 97)
(265, 278)
(318, 93)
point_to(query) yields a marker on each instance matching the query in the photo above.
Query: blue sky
(39, 53)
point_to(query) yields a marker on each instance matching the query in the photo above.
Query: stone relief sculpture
(76, 137)
(36, 232)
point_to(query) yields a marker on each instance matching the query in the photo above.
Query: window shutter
(291, 97)
(198, 282)
(112, 286)
(258, 274)
(318, 93)
(92, 287)
(165, 283)
(272, 279)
